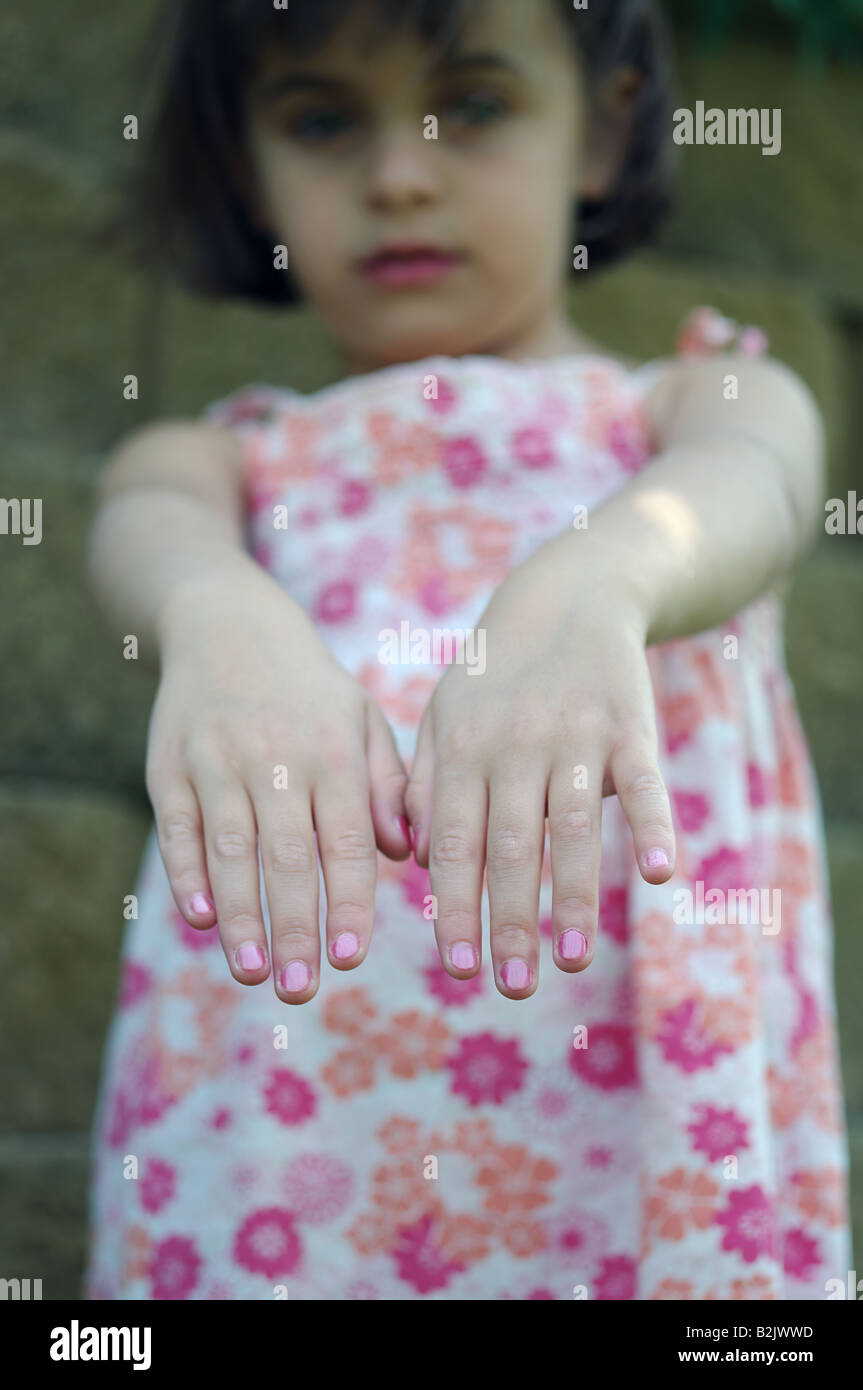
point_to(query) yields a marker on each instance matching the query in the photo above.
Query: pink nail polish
(200, 905)
(346, 944)
(572, 945)
(249, 956)
(462, 955)
(655, 859)
(295, 976)
(515, 974)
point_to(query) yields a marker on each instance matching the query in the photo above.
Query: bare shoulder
(182, 453)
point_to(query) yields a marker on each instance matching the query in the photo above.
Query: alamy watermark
(751, 907)
(737, 126)
(441, 646)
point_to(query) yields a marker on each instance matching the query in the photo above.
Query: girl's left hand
(562, 715)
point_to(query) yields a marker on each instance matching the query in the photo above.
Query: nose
(402, 167)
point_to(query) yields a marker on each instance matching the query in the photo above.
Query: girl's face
(346, 161)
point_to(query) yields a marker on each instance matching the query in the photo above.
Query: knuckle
(294, 939)
(509, 846)
(574, 823)
(451, 847)
(574, 906)
(177, 828)
(511, 938)
(288, 854)
(240, 922)
(644, 785)
(350, 844)
(230, 844)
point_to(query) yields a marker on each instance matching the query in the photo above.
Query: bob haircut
(185, 211)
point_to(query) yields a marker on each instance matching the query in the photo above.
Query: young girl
(497, 578)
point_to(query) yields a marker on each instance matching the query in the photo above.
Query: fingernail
(655, 859)
(515, 974)
(249, 956)
(295, 976)
(200, 905)
(462, 955)
(346, 944)
(572, 944)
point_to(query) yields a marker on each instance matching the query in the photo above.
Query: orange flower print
(401, 1135)
(515, 1179)
(746, 1290)
(681, 1200)
(403, 1191)
(349, 1071)
(473, 1137)
(675, 1290)
(524, 1238)
(464, 1238)
(727, 1020)
(350, 1011)
(414, 1042)
(819, 1194)
(371, 1233)
(138, 1252)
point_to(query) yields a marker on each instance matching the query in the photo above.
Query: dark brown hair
(184, 210)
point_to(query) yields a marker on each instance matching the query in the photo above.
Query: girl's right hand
(257, 730)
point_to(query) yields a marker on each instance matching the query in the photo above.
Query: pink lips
(409, 266)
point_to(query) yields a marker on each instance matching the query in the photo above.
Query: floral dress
(666, 1125)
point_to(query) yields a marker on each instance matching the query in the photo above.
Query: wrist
(599, 574)
(234, 588)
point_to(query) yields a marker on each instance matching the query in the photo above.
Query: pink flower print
(579, 1233)
(174, 1268)
(726, 869)
(612, 914)
(445, 400)
(449, 991)
(267, 1243)
(157, 1186)
(317, 1187)
(435, 594)
(684, 1042)
(141, 1098)
(192, 937)
(532, 447)
(616, 1279)
(546, 927)
(487, 1068)
(801, 1255)
(749, 1223)
(354, 497)
(691, 809)
(599, 1157)
(336, 602)
(289, 1097)
(135, 984)
(627, 443)
(718, 1132)
(608, 1061)
(221, 1118)
(540, 1293)
(762, 786)
(362, 1289)
(464, 461)
(420, 1260)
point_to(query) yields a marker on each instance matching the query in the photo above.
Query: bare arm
(723, 512)
(169, 519)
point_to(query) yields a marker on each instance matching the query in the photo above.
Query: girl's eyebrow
(286, 82)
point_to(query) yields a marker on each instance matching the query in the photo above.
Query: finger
(180, 836)
(388, 779)
(290, 867)
(574, 821)
(419, 795)
(514, 854)
(230, 836)
(456, 860)
(346, 844)
(643, 796)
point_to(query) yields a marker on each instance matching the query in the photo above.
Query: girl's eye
(476, 108)
(320, 124)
